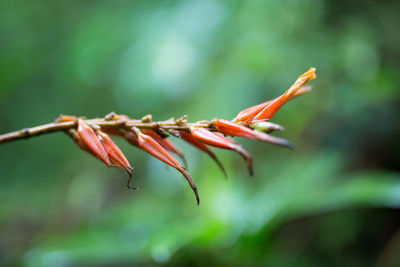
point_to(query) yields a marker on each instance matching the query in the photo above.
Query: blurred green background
(333, 202)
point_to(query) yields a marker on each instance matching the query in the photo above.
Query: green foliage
(317, 206)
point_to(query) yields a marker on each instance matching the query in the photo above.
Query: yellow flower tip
(300, 82)
(309, 75)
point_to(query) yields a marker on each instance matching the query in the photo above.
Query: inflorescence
(93, 135)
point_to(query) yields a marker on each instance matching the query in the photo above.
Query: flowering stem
(177, 125)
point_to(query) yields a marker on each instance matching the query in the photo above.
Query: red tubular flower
(277, 103)
(75, 136)
(247, 114)
(116, 152)
(203, 147)
(165, 143)
(147, 143)
(116, 159)
(250, 112)
(92, 141)
(216, 140)
(234, 129)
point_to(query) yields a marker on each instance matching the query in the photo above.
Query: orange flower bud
(277, 103)
(147, 143)
(234, 129)
(216, 140)
(165, 143)
(117, 153)
(116, 157)
(203, 147)
(250, 112)
(75, 136)
(247, 114)
(92, 141)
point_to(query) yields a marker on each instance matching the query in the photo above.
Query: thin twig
(103, 123)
